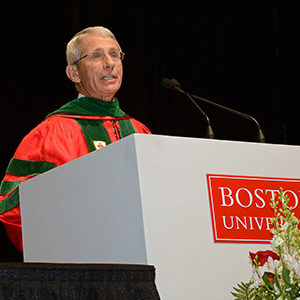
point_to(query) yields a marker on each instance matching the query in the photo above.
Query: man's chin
(108, 93)
(110, 87)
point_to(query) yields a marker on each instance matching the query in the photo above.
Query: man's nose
(108, 62)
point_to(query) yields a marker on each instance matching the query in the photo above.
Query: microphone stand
(209, 132)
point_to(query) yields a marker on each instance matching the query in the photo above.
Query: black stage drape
(77, 282)
(243, 54)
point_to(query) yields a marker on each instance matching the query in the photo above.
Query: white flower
(272, 265)
(284, 226)
(257, 280)
(256, 283)
(297, 269)
(292, 264)
(277, 241)
(262, 270)
(288, 259)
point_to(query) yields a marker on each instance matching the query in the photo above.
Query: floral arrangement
(276, 273)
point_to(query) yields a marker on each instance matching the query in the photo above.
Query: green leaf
(243, 291)
(286, 275)
(238, 296)
(267, 281)
(277, 282)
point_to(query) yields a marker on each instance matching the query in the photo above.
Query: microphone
(173, 84)
(260, 135)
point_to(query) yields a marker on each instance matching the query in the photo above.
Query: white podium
(144, 200)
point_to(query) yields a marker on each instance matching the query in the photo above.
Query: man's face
(99, 78)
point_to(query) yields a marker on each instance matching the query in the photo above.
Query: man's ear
(72, 73)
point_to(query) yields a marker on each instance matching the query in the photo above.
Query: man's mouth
(108, 77)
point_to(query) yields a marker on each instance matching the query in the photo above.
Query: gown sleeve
(140, 127)
(53, 142)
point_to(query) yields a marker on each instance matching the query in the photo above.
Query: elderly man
(88, 123)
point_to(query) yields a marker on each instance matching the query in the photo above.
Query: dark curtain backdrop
(242, 54)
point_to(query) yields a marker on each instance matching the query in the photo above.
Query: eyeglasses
(99, 56)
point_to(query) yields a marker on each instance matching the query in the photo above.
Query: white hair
(73, 50)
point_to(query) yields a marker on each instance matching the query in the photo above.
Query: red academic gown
(55, 141)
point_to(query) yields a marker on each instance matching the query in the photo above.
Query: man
(85, 124)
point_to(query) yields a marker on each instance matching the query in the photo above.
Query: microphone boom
(173, 84)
